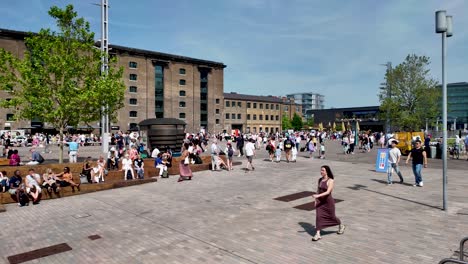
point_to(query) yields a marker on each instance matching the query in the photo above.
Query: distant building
(457, 106)
(254, 114)
(368, 117)
(308, 101)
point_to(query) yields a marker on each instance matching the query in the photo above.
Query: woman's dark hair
(186, 146)
(329, 172)
(67, 169)
(15, 151)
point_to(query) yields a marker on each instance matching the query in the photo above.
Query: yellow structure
(406, 140)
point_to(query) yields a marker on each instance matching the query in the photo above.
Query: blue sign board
(381, 164)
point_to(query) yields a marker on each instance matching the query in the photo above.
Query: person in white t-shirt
(394, 156)
(250, 153)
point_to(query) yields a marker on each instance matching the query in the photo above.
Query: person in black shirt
(419, 159)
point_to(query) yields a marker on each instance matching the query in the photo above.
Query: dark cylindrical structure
(162, 132)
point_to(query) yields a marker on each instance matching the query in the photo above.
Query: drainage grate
(94, 237)
(39, 253)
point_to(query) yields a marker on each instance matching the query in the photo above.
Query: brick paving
(232, 217)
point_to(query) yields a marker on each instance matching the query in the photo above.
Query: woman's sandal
(316, 238)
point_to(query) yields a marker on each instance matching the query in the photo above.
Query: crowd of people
(25, 189)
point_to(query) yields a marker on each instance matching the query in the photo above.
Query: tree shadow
(310, 229)
(358, 187)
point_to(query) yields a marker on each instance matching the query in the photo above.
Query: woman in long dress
(325, 204)
(184, 165)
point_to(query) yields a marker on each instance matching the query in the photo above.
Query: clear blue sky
(275, 47)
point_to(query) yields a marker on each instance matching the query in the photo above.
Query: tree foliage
(414, 95)
(286, 123)
(296, 122)
(58, 81)
(310, 122)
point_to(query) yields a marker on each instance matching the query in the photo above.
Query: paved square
(232, 217)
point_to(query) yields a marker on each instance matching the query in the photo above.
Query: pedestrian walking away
(419, 158)
(325, 204)
(250, 153)
(394, 157)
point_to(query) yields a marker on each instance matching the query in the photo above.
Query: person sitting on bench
(67, 179)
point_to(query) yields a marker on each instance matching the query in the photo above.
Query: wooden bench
(114, 178)
(4, 162)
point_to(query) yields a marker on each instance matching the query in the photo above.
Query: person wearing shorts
(250, 152)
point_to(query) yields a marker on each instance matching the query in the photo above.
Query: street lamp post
(104, 70)
(444, 26)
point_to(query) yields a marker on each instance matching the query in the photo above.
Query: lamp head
(449, 26)
(441, 21)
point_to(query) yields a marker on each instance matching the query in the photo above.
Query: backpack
(268, 147)
(40, 159)
(23, 198)
(230, 152)
(287, 144)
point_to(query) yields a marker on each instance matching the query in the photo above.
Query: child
(294, 153)
(322, 151)
(311, 148)
(278, 152)
(230, 153)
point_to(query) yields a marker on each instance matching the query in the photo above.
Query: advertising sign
(381, 164)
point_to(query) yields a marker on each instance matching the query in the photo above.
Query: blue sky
(275, 47)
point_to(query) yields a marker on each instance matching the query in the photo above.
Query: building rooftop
(246, 97)
(20, 35)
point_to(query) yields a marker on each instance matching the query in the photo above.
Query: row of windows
(266, 129)
(267, 117)
(260, 117)
(249, 105)
(134, 65)
(233, 116)
(134, 89)
(229, 103)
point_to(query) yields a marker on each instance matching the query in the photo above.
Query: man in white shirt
(394, 156)
(214, 155)
(250, 153)
(155, 153)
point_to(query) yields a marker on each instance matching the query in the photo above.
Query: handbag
(83, 178)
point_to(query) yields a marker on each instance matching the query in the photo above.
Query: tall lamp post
(444, 26)
(104, 70)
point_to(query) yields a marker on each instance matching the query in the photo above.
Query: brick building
(158, 85)
(252, 113)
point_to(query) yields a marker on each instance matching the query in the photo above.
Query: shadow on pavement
(361, 187)
(397, 182)
(310, 229)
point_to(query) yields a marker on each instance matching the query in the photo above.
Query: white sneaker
(421, 184)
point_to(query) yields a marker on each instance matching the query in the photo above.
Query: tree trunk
(61, 145)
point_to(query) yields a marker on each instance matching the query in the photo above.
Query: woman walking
(325, 204)
(184, 165)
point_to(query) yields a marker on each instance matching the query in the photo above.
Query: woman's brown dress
(325, 209)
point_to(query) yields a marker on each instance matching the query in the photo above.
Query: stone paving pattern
(232, 217)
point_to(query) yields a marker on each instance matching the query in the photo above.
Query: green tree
(414, 95)
(58, 81)
(296, 122)
(310, 122)
(286, 123)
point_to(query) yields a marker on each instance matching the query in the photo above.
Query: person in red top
(15, 158)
